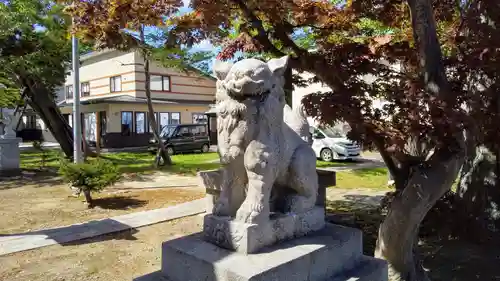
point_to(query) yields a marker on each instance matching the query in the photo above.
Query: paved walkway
(32, 240)
(157, 180)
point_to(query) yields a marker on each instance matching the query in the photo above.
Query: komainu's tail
(296, 119)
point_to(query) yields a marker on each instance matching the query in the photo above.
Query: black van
(183, 138)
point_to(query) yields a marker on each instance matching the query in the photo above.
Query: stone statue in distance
(7, 121)
(9, 145)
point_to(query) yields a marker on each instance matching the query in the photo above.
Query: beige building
(113, 103)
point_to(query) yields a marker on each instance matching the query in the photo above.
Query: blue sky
(204, 45)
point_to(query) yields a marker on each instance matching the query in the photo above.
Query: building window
(30, 122)
(127, 123)
(69, 119)
(199, 118)
(85, 89)
(69, 91)
(115, 84)
(164, 120)
(168, 118)
(159, 83)
(149, 124)
(175, 118)
(140, 122)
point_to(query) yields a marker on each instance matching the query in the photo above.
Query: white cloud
(186, 2)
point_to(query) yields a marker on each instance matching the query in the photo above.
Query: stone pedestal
(250, 238)
(9, 155)
(332, 254)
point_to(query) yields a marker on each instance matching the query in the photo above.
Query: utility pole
(77, 122)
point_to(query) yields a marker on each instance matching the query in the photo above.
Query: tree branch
(431, 59)
(263, 35)
(389, 161)
(281, 34)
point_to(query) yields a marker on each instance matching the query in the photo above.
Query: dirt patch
(112, 257)
(130, 254)
(34, 207)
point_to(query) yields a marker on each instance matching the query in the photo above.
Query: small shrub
(90, 176)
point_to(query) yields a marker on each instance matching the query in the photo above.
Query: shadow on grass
(370, 172)
(454, 260)
(118, 203)
(40, 178)
(144, 162)
(176, 168)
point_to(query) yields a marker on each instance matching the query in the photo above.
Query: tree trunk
(88, 197)
(477, 196)
(427, 183)
(43, 104)
(398, 233)
(161, 154)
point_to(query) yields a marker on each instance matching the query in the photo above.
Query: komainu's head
(250, 79)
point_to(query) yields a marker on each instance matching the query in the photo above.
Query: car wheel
(170, 150)
(326, 155)
(205, 148)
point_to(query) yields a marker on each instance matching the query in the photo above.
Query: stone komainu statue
(268, 164)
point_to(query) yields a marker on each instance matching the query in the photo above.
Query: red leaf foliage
(358, 64)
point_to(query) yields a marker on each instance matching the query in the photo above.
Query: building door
(102, 123)
(90, 127)
(212, 129)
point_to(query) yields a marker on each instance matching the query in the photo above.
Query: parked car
(183, 138)
(330, 143)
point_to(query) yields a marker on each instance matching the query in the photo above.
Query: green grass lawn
(129, 162)
(373, 178)
(189, 164)
(323, 164)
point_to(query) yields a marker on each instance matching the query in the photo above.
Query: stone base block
(250, 238)
(9, 155)
(321, 256)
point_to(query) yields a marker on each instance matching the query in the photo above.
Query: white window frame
(87, 84)
(164, 78)
(67, 90)
(113, 85)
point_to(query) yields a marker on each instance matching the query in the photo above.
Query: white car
(330, 144)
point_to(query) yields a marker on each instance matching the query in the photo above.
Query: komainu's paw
(252, 212)
(221, 208)
(299, 204)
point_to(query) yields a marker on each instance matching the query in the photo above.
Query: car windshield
(332, 132)
(167, 131)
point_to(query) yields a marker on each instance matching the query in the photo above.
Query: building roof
(94, 54)
(130, 99)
